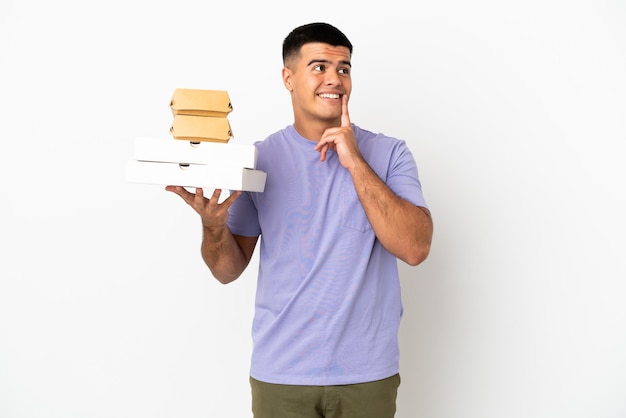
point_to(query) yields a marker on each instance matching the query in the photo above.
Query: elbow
(416, 257)
(225, 278)
(225, 281)
(418, 247)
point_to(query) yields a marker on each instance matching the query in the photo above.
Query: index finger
(345, 118)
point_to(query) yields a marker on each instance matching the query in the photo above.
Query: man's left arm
(404, 229)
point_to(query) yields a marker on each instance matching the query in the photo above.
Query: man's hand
(213, 214)
(341, 139)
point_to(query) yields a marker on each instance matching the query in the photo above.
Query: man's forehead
(325, 52)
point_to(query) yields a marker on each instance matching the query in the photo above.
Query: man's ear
(287, 78)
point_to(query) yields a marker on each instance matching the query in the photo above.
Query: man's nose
(332, 79)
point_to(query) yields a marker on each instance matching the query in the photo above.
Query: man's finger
(323, 151)
(231, 199)
(345, 118)
(215, 198)
(180, 191)
(198, 197)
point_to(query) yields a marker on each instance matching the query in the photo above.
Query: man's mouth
(329, 95)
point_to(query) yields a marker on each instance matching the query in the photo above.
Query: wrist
(213, 231)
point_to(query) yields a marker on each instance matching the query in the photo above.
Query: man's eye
(320, 67)
(344, 71)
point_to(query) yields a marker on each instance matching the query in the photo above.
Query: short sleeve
(243, 217)
(403, 177)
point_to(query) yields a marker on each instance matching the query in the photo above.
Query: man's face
(317, 79)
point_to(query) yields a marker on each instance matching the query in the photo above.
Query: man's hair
(313, 32)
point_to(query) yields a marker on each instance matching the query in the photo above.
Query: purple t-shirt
(328, 301)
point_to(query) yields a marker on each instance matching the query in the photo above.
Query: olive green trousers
(362, 400)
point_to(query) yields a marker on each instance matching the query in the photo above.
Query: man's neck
(313, 131)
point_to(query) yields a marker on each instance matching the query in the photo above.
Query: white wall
(515, 112)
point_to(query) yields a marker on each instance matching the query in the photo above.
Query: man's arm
(404, 229)
(226, 255)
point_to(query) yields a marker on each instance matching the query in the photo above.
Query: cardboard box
(166, 150)
(201, 128)
(215, 103)
(196, 175)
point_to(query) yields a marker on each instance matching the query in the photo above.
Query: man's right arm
(226, 255)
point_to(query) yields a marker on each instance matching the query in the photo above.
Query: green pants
(363, 400)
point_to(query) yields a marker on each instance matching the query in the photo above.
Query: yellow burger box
(201, 128)
(196, 102)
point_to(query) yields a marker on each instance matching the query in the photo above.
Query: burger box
(163, 149)
(214, 103)
(214, 176)
(201, 128)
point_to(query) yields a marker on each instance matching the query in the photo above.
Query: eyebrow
(321, 61)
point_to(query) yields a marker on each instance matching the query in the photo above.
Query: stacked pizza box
(199, 153)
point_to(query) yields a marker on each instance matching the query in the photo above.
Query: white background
(515, 112)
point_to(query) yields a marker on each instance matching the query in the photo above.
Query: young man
(341, 205)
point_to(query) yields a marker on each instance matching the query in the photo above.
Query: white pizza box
(215, 176)
(164, 149)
